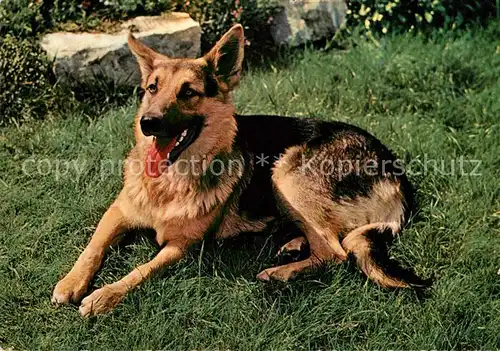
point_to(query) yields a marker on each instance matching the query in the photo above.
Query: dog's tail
(368, 244)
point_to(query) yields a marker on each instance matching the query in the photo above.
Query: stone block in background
(83, 56)
(302, 21)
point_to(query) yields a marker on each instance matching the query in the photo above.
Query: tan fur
(306, 202)
(323, 220)
(233, 224)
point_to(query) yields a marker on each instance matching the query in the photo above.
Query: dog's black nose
(151, 125)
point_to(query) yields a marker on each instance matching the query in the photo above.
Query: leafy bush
(27, 18)
(21, 18)
(25, 88)
(217, 16)
(90, 13)
(382, 16)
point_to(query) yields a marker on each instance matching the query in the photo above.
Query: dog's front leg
(72, 287)
(107, 297)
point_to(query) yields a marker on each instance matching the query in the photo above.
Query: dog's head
(186, 108)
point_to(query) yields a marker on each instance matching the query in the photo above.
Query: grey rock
(83, 57)
(300, 21)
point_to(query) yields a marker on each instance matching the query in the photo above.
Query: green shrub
(27, 18)
(383, 16)
(217, 16)
(89, 13)
(21, 18)
(25, 88)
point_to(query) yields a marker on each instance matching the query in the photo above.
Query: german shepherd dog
(195, 170)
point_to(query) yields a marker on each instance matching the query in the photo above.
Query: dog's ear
(145, 57)
(226, 57)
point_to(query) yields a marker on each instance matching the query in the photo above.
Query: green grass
(426, 99)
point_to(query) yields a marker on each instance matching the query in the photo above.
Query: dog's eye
(152, 88)
(189, 92)
(186, 92)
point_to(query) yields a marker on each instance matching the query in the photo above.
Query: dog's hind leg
(72, 287)
(307, 204)
(324, 247)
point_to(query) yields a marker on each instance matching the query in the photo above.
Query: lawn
(435, 102)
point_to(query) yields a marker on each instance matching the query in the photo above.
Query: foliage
(25, 89)
(89, 14)
(217, 16)
(21, 18)
(383, 16)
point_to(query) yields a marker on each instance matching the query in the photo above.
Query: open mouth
(163, 152)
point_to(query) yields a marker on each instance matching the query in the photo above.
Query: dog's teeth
(184, 133)
(168, 155)
(177, 143)
(180, 139)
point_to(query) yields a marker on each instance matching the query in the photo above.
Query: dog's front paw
(280, 273)
(69, 289)
(103, 300)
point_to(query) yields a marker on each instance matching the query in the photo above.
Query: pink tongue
(156, 159)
